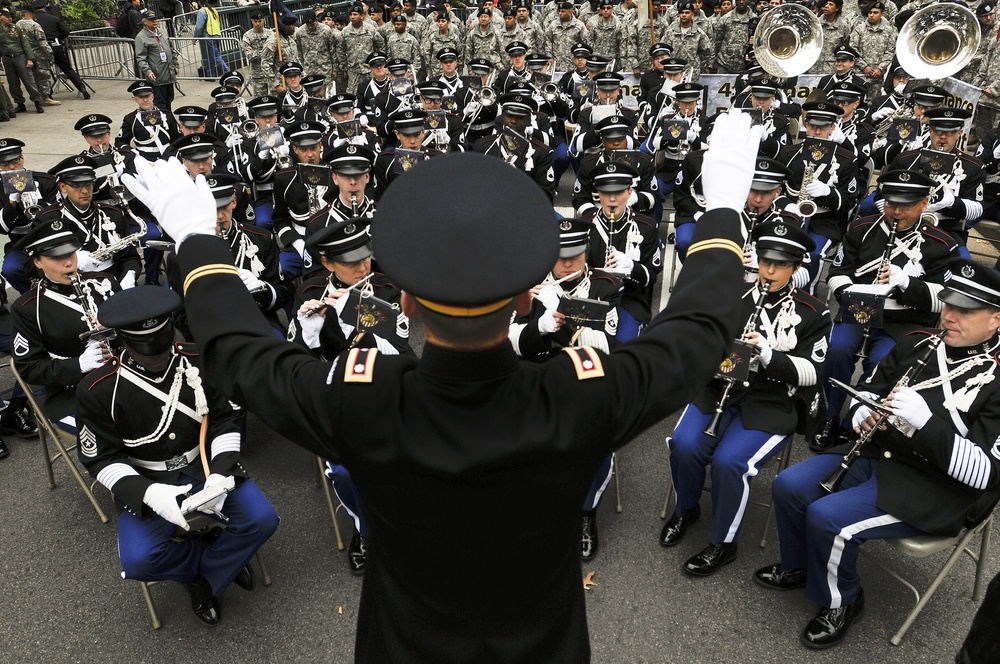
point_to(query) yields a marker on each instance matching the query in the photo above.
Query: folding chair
(782, 459)
(148, 596)
(922, 546)
(325, 482)
(63, 441)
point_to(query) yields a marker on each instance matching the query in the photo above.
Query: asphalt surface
(63, 599)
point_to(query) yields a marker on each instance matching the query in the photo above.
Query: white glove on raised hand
(85, 261)
(548, 296)
(838, 136)
(898, 278)
(250, 280)
(182, 207)
(860, 415)
(946, 201)
(623, 262)
(92, 357)
(214, 478)
(729, 162)
(818, 189)
(547, 324)
(908, 404)
(128, 281)
(162, 499)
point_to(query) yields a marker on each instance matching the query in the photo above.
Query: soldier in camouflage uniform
(254, 40)
(565, 31)
(317, 46)
(610, 37)
(835, 34)
(44, 62)
(401, 44)
(441, 35)
(732, 35)
(512, 32)
(484, 41)
(689, 42)
(270, 65)
(875, 40)
(988, 77)
(641, 37)
(530, 26)
(416, 24)
(360, 39)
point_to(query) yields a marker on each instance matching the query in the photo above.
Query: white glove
(341, 302)
(881, 114)
(233, 140)
(860, 415)
(946, 201)
(729, 162)
(299, 246)
(692, 136)
(281, 150)
(547, 323)
(128, 281)
(898, 278)
(818, 189)
(162, 499)
(311, 325)
(92, 357)
(996, 151)
(264, 154)
(765, 350)
(623, 262)
(214, 478)
(182, 207)
(633, 198)
(908, 404)
(85, 261)
(250, 280)
(548, 297)
(838, 136)
(793, 208)
(915, 144)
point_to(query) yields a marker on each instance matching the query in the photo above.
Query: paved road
(64, 599)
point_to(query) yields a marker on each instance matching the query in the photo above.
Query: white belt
(176, 462)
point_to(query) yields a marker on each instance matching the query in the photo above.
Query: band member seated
(140, 416)
(51, 346)
(738, 426)
(408, 127)
(929, 469)
(106, 245)
(614, 132)
(325, 325)
(342, 113)
(764, 204)
(625, 243)
(673, 149)
(546, 330)
(908, 275)
(148, 129)
(513, 144)
(351, 167)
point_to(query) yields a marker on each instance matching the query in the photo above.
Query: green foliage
(84, 14)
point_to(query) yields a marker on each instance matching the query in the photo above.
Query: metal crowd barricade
(102, 57)
(192, 53)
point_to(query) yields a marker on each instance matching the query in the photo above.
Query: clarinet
(354, 204)
(713, 427)
(748, 245)
(832, 482)
(103, 335)
(884, 263)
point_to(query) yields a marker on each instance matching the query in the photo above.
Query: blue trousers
(683, 235)
(628, 326)
(601, 479)
(840, 361)
(867, 206)
(736, 457)
(151, 257)
(148, 551)
(822, 533)
(291, 263)
(215, 66)
(262, 211)
(344, 487)
(815, 265)
(13, 269)
(560, 163)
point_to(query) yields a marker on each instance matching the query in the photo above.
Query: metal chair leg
(325, 481)
(149, 604)
(666, 495)
(618, 490)
(263, 569)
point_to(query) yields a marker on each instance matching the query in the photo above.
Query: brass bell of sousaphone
(938, 41)
(788, 40)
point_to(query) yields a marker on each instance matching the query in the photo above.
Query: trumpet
(884, 415)
(486, 96)
(904, 111)
(248, 128)
(103, 335)
(104, 253)
(551, 92)
(713, 426)
(805, 203)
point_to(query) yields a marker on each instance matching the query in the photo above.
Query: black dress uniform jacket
(537, 161)
(647, 190)
(971, 189)
(782, 393)
(917, 479)
(127, 423)
(150, 141)
(292, 201)
(13, 220)
(833, 210)
(491, 455)
(102, 226)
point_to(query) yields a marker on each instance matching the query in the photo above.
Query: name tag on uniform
(163, 57)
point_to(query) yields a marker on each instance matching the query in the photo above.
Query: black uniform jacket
(122, 426)
(766, 404)
(918, 476)
(491, 455)
(834, 209)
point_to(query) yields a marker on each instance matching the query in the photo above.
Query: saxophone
(805, 203)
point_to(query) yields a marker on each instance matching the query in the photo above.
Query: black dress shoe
(772, 578)
(21, 108)
(357, 554)
(245, 579)
(4, 117)
(18, 420)
(86, 95)
(588, 536)
(711, 559)
(38, 107)
(203, 603)
(4, 452)
(830, 626)
(673, 532)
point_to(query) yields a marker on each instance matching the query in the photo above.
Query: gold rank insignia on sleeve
(586, 361)
(360, 366)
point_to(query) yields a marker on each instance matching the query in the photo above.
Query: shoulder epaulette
(250, 229)
(586, 361)
(937, 234)
(923, 332)
(29, 297)
(601, 274)
(360, 366)
(186, 348)
(810, 301)
(109, 368)
(968, 157)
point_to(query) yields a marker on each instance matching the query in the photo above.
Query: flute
(327, 291)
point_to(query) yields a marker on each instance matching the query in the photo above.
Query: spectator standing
(156, 61)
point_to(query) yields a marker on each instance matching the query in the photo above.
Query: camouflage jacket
(358, 44)
(560, 37)
(732, 34)
(316, 48)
